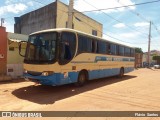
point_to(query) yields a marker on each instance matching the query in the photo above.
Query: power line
(100, 31)
(133, 42)
(142, 17)
(105, 33)
(135, 13)
(92, 26)
(123, 6)
(116, 19)
(156, 28)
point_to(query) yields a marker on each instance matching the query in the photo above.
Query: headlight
(25, 71)
(47, 73)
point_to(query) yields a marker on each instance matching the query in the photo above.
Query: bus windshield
(41, 48)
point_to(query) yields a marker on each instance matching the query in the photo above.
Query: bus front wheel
(81, 79)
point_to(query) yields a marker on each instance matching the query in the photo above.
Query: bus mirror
(20, 48)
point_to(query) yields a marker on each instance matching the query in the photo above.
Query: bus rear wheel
(121, 73)
(81, 79)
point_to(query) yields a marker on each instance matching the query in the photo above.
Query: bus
(63, 56)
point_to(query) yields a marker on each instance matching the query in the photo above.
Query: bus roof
(76, 31)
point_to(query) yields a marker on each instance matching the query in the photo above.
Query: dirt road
(136, 91)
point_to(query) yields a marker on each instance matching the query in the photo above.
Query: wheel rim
(82, 78)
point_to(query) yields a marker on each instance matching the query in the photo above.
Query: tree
(138, 50)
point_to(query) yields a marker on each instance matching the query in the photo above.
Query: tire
(121, 73)
(81, 79)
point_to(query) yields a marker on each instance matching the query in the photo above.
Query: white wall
(15, 70)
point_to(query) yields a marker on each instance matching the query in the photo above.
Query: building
(14, 60)
(3, 51)
(55, 15)
(11, 63)
(141, 59)
(138, 60)
(145, 59)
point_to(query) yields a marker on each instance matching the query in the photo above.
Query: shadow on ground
(49, 94)
(12, 81)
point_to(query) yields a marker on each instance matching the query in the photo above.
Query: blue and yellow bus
(63, 56)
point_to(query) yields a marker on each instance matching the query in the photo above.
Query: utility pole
(2, 21)
(149, 43)
(70, 14)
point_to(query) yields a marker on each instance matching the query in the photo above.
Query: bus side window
(89, 44)
(94, 46)
(127, 51)
(102, 48)
(117, 49)
(97, 44)
(113, 49)
(132, 52)
(109, 48)
(121, 50)
(68, 47)
(84, 44)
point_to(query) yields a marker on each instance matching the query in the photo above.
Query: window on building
(94, 32)
(11, 48)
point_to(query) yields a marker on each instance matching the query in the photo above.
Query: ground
(136, 91)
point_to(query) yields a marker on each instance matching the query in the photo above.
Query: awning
(17, 37)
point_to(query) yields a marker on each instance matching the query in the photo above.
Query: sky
(128, 25)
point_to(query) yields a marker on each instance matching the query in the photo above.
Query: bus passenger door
(66, 53)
